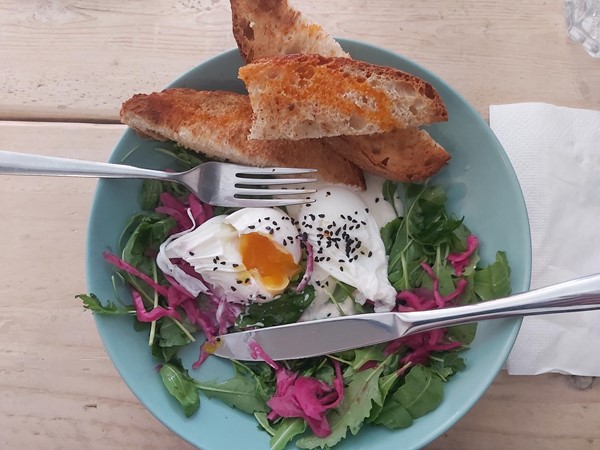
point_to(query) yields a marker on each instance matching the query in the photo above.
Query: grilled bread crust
(216, 123)
(310, 96)
(407, 155)
(264, 28)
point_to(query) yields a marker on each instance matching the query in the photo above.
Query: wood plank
(58, 389)
(78, 60)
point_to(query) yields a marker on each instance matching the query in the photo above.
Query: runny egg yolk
(262, 257)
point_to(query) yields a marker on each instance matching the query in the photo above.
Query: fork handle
(581, 294)
(12, 163)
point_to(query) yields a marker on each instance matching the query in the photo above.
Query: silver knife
(321, 337)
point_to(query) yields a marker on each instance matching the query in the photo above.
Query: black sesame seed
(191, 253)
(252, 227)
(341, 269)
(247, 280)
(341, 260)
(376, 199)
(222, 263)
(370, 254)
(321, 216)
(233, 288)
(367, 210)
(239, 281)
(214, 268)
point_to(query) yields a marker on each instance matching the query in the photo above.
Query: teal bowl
(481, 186)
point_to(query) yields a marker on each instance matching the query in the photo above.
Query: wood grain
(77, 60)
(59, 390)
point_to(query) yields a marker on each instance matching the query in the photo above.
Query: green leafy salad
(196, 272)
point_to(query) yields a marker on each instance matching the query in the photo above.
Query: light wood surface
(76, 61)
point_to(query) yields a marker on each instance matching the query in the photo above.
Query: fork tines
(248, 180)
(270, 175)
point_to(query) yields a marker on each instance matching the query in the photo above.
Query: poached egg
(347, 244)
(249, 256)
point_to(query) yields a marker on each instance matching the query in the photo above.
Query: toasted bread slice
(407, 155)
(264, 28)
(216, 123)
(311, 96)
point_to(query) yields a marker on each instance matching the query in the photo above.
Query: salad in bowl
(167, 274)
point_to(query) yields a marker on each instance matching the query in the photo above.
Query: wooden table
(65, 67)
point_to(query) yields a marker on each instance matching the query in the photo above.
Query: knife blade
(306, 339)
(325, 336)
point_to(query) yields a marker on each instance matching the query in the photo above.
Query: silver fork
(216, 183)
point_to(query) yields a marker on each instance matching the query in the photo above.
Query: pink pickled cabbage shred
(460, 260)
(304, 397)
(310, 262)
(420, 345)
(152, 315)
(178, 210)
(215, 315)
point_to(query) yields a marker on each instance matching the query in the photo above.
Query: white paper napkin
(556, 154)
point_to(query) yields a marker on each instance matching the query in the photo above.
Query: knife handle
(582, 294)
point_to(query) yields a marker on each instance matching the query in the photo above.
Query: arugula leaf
(386, 383)
(287, 308)
(393, 415)
(421, 393)
(243, 391)
(389, 232)
(263, 422)
(93, 303)
(446, 364)
(151, 231)
(389, 190)
(187, 159)
(181, 386)
(236, 392)
(493, 281)
(164, 354)
(285, 431)
(366, 354)
(463, 333)
(355, 407)
(171, 335)
(150, 194)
